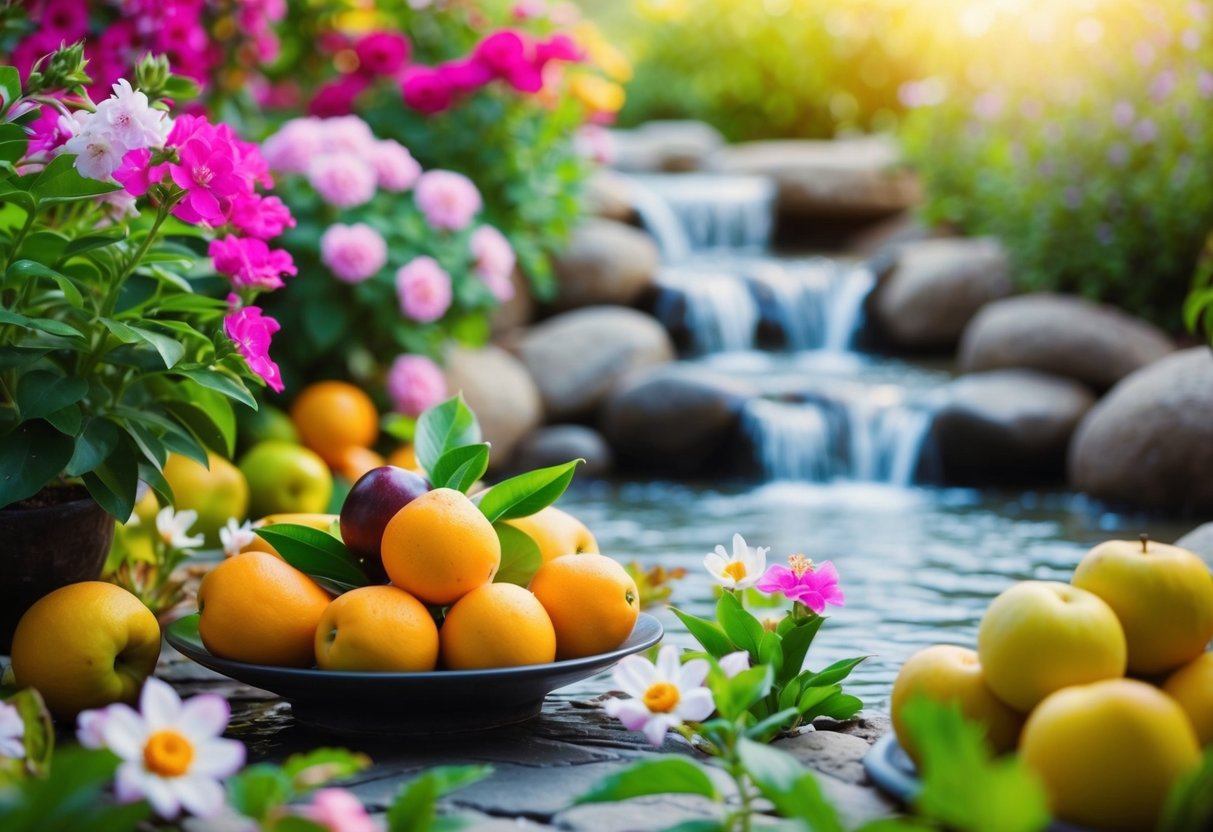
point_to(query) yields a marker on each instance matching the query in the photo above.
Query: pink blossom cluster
(117, 33)
(377, 54)
(415, 384)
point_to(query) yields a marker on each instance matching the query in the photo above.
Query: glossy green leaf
(220, 382)
(664, 775)
(258, 790)
(67, 420)
(797, 638)
(737, 695)
(709, 635)
(414, 808)
(95, 240)
(525, 494)
(788, 785)
(460, 468)
(442, 428)
(314, 553)
(60, 182)
(520, 556)
(47, 325)
(210, 419)
(741, 627)
(320, 766)
(835, 673)
(114, 483)
(93, 446)
(41, 392)
(31, 457)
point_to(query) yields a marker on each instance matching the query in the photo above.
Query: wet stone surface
(539, 767)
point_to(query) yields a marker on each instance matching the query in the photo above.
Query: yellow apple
(1163, 596)
(556, 533)
(1109, 752)
(286, 479)
(86, 645)
(947, 673)
(1042, 636)
(1192, 687)
(217, 493)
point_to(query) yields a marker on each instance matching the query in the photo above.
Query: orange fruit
(354, 461)
(556, 533)
(332, 416)
(403, 457)
(378, 628)
(592, 601)
(86, 645)
(440, 547)
(497, 625)
(257, 608)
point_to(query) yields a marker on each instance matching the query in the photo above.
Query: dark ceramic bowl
(442, 701)
(892, 770)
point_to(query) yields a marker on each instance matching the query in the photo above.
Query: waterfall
(717, 309)
(711, 213)
(659, 219)
(846, 308)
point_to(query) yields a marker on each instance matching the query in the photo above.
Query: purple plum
(371, 503)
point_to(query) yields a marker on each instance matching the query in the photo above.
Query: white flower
(740, 571)
(172, 753)
(97, 155)
(664, 695)
(12, 732)
(89, 727)
(173, 525)
(235, 536)
(128, 118)
(735, 663)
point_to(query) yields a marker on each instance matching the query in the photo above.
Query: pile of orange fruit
(441, 607)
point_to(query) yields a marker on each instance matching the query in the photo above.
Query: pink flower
(449, 200)
(251, 332)
(337, 810)
(136, 173)
(382, 53)
(509, 57)
(494, 260)
(250, 263)
(67, 19)
(395, 168)
(466, 75)
(336, 98)
(424, 289)
(415, 384)
(207, 171)
(558, 47)
(293, 146)
(800, 581)
(346, 134)
(342, 180)
(261, 216)
(353, 252)
(426, 90)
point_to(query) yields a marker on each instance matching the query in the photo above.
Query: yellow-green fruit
(286, 479)
(264, 424)
(1109, 753)
(556, 533)
(1042, 636)
(1163, 596)
(946, 673)
(218, 492)
(1192, 687)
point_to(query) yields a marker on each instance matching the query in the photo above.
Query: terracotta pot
(46, 547)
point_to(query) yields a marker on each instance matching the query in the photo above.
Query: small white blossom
(12, 732)
(127, 117)
(664, 695)
(235, 536)
(97, 155)
(740, 571)
(173, 527)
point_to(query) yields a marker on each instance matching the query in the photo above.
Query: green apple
(1163, 596)
(217, 491)
(264, 424)
(1108, 753)
(948, 673)
(1042, 636)
(285, 478)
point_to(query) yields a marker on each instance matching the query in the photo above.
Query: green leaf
(839, 706)
(71, 797)
(520, 556)
(737, 695)
(115, 483)
(460, 468)
(60, 182)
(220, 382)
(33, 269)
(97, 239)
(744, 629)
(315, 768)
(47, 325)
(444, 427)
(170, 349)
(93, 446)
(787, 784)
(314, 553)
(43, 246)
(1190, 804)
(30, 458)
(525, 494)
(664, 775)
(41, 392)
(259, 789)
(764, 730)
(797, 639)
(414, 808)
(212, 421)
(66, 420)
(39, 736)
(709, 636)
(10, 85)
(835, 673)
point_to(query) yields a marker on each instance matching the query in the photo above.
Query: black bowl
(442, 701)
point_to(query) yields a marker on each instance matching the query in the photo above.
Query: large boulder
(557, 444)
(516, 312)
(605, 262)
(609, 195)
(936, 288)
(1007, 426)
(840, 179)
(1066, 336)
(1149, 442)
(500, 391)
(679, 418)
(577, 357)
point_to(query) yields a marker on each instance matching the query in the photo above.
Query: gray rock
(605, 262)
(1149, 442)
(516, 312)
(834, 753)
(1066, 336)
(662, 812)
(678, 417)
(557, 444)
(856, 804)
(1007, 426)
(1200, 541)
(500, 391)
(577, 358)
(609, 195)
(841, 179)
(673, 146)
(936, 288)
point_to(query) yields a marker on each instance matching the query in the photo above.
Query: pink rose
(466, 75)
(415, 384)
(342, 180)
(250, 263)
(251, 332)
(510, 57)
(395, 168)
(293, 146)
(426, 90)
(449, 200)
(336, 98)
(424, 289)
(353, 252)
(382, 53)
(346, 134)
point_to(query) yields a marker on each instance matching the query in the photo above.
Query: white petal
(162, 797)
(159, 703)
(218, 758)
(735, 663)
(124, 732)
(12, 747)
(631, 712)
(202, 796)
(668, 664)
(204, 716)
(721, 553)
(739, 548)
(715, 565)
(695, 705)
(657, 727)
(634, 674)
(692, 674)
(129, 782)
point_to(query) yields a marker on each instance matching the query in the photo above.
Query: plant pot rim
(16, 509)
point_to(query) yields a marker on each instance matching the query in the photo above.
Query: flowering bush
(393, 260)
(112, 356)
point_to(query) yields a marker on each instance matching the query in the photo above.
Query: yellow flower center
(735, 569)
(799, 564)
(661, 697)
(168, 754)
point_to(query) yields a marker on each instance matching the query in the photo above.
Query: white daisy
(235, 536)
(664, 695)
(174, 525)
(740, 571)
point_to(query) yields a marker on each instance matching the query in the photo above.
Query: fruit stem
(1145, 542)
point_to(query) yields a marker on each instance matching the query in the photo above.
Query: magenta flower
(66, 19)
(424, 288)
(353, 252)
(206, 171)
(342, 180)
(415, 384)
(449, 200)
(466, 75)
(510, 57)
(558, 47)
(427, 90)
(251, 332)
(259, 216)
(250, 263)
(800, 581)
(336, 98)
(382, 53)
(395, 168)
